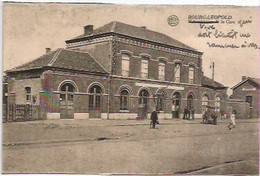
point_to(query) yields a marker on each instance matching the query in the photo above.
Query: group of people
(188, 113)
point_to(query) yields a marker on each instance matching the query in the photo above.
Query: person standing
(232, 120)
(192, 110)
(173, 111)
(154, 118)
(185, 113)
(177, 111)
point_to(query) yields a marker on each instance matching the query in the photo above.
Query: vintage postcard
(130, 89)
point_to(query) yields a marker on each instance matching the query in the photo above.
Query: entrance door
(67, 101)
(95, 102)
(190, 101)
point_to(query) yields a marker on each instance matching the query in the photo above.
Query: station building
(114, 71)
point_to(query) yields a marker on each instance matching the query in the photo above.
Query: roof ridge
(26, 63)
(113, 26)
(55, 57)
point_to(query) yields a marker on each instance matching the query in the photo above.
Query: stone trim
(134, 42)
(81, 116)
(154, 80)
(52, 116)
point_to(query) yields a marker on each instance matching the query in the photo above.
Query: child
(232, 120)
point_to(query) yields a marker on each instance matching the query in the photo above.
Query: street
(129, 146)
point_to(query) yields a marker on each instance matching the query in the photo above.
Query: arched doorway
(161, 101)
(67, 101)
(124, 100)
(190, 101)
(95, 99)
(205, 103)
(176, 105)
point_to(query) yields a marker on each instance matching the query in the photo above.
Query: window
(161, 71)
(205, 103)
(124, 99)
(191, 75)
(144, 68)
(249, 99)
(143, 97)
(28, 94)
(67, 87)
(95, 97)
(125, 65)
(67, 96)
(177, 72)
(217, 103)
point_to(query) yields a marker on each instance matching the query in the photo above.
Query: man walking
(154, 118)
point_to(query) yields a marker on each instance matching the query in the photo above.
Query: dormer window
(125, 65)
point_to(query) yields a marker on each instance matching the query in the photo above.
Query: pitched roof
(206, 81)
(63, 58)
(254, 80)
(137, 32)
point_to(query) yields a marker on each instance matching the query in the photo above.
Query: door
(67, 102)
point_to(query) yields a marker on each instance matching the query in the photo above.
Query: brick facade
(107, 51)
(248, 87)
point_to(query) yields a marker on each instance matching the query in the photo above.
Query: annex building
(247, 91)
(113, 72)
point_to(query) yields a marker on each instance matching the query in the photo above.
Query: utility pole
(212, 66)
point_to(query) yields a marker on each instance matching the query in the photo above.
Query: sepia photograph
(130, 89)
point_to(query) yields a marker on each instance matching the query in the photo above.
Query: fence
(24, 112)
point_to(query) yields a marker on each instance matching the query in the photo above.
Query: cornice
(135, 42)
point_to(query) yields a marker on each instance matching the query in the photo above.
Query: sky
(29, 28)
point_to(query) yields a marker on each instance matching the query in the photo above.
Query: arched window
(191, 75)
(205, 103)
(125, 65)
(217, 103)
(67, 87)
(144, 97)
(66, 93)
(124, 100)
(95, 97)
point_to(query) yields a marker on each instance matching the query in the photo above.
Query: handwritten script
(222, 28)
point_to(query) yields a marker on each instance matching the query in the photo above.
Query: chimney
(48, 50)
(143, 27)
(243, 78)
(88, 30)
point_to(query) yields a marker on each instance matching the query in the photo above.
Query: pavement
(128, 146)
